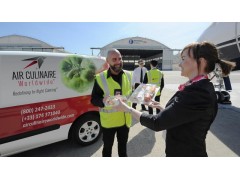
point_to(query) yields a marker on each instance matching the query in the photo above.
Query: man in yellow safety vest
(111, 82)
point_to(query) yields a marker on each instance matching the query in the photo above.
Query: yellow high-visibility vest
(111, 118)
(154, 77)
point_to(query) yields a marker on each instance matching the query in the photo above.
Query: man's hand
(105, 99)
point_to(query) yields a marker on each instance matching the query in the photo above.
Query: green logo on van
(77, 73)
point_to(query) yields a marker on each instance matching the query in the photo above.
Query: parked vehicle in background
(226, 37)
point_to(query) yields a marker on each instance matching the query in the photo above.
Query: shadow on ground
(142, 144)
(63, 149)
(226, 127)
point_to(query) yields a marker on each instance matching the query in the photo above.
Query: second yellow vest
(154, 77)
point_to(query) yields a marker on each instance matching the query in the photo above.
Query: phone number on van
(38, 109)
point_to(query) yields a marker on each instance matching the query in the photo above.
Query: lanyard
(188, 83)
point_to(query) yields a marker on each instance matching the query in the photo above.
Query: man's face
(141, 64)
(115, 62)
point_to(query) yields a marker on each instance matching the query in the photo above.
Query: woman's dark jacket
(187, 119)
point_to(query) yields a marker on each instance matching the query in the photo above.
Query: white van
(45, 98)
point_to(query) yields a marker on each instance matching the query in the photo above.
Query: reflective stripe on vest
(107, 110)
(105, 86)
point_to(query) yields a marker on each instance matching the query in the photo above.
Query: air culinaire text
(37, 78)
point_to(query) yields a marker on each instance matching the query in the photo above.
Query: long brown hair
(209, 52)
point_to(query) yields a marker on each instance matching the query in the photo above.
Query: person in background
(111, 82)
(189, 114)
(154, 76)
(137, 79)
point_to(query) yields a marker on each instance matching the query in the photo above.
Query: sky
(79, 37)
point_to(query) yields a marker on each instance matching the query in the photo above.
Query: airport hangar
(135, 48)
(132, 49)
(24, 43)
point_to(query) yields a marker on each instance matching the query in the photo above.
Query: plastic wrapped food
(113, 100)
(144, 93)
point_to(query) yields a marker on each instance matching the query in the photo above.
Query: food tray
(144, 93)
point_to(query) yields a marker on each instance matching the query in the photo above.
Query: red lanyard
(196, 79)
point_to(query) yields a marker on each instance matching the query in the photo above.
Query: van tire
(87, 129)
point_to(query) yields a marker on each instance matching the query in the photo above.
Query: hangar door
(131, 57)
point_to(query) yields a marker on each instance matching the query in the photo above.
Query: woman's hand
(155, 104)
(123, 107)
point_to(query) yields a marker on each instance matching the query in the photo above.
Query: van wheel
(87, 129)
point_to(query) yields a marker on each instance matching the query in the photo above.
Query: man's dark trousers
(108, 140)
